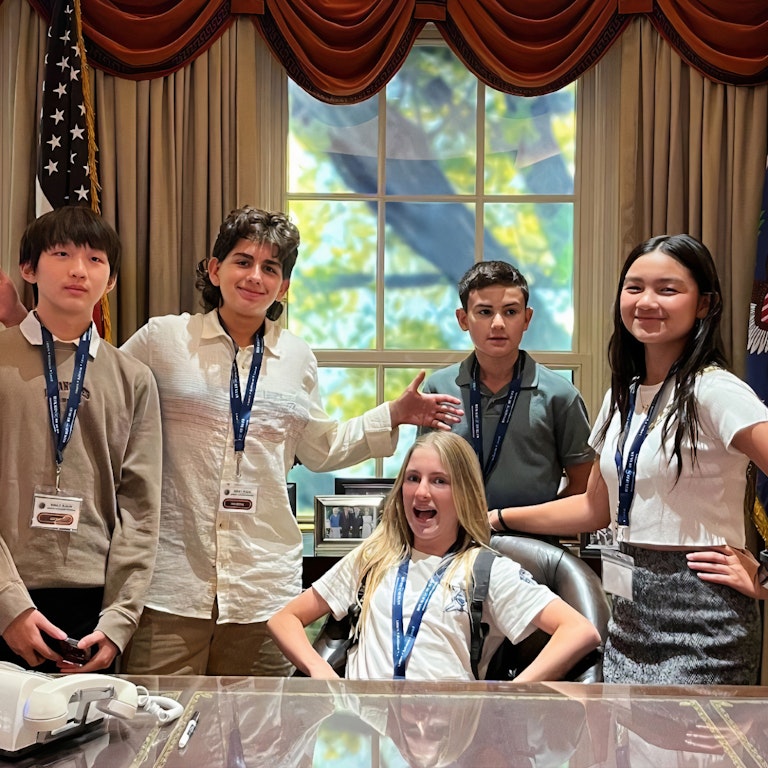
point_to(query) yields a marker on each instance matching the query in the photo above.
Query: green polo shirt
(548, 431)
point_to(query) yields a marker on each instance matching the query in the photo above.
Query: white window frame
(596, 224)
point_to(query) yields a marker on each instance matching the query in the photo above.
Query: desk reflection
(287, 723)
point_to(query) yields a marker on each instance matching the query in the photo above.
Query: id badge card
(56, 511)
(618, 570)
(237, 497)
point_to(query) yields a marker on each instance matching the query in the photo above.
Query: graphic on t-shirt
(527, 577)
(457, 602)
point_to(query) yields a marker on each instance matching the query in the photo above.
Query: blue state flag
(757, 339)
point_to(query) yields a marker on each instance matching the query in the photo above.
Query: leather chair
(566, 575)
(571, 579)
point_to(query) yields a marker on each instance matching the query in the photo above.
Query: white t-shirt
(705, 506)
(441, 650)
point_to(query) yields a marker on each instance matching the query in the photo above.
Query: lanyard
(62, 431)
(476, 418)
(627, 472)
(402, 644)
(240, 406)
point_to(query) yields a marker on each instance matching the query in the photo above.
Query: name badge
(56, 511)
(618, 570)
(237, 497)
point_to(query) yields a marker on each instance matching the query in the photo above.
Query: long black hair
(704, 347)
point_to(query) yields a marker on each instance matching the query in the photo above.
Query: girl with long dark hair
(675, 434)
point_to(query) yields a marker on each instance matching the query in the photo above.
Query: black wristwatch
(762, 571)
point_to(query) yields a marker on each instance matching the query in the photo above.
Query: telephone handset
(36, 708)
(49, 704)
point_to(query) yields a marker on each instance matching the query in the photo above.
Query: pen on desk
(189, 730)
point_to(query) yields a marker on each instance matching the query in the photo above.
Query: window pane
(331, 148)
(530, 143)
(538, 239)
(431, 125)
(427, 248)
(389, 227)
(346, 392)
(332, 299)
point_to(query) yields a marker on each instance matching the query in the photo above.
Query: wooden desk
(282, 723)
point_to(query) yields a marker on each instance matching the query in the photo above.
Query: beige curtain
(21, 41)
(692, 160)
(176, 154)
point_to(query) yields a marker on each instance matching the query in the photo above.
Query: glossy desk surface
(345, 724)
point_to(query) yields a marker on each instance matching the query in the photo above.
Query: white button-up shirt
(249, 561)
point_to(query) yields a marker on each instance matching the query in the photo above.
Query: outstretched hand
(431, 410)
(731, 567)
(12, 311)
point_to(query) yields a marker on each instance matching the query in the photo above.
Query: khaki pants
(166, 644)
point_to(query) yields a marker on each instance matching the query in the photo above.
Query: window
(395, 198)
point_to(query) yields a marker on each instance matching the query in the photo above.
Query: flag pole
(104, 318)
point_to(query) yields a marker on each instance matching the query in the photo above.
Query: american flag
(65, 164)
(66, 157)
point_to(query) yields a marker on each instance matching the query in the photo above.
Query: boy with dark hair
(80, 468)
(527, 424)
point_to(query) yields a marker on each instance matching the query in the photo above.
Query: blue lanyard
(241, 406)
(627, 473)
(63, 431)
(476, 417)
(402, 643)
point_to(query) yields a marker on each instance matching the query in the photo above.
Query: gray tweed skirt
(680, 630)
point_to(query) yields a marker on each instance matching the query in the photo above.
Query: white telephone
(37, 709)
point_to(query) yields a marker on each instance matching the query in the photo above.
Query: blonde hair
(392, 540)
(448, 725)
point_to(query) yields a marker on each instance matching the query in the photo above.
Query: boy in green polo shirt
(527, 424)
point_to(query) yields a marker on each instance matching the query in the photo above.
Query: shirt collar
(30, 329)
(530, 372)
(213, 329)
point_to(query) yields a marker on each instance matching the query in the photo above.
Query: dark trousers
(73, 609)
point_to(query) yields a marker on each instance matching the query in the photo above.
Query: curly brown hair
(261, 227)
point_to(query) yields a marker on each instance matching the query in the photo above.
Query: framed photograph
(592, 543)
(343, 521)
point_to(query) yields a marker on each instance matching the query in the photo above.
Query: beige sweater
(112, 461)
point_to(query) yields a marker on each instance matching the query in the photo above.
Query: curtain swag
(342, 51)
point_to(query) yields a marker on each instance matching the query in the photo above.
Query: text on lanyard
(476, 417)
(62, 431)
(402, 642)
(627, 472)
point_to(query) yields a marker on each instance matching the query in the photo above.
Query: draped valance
(347, 50)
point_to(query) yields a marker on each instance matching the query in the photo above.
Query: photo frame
(592, 543)
(342, 521)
